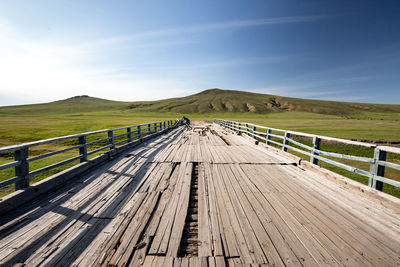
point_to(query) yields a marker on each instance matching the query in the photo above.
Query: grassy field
(16, 129)
(21, 124)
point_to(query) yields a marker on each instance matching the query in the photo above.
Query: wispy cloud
(221, 63)
(224, 25)
(323, 89)
(299, 92)
(243, 23)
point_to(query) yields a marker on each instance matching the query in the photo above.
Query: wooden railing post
(285, 141)
(268, 136)
(160, 126)
(164, 124)
(22, 170)
(139, 132)
(247, 129)
(83, 148)
(317, 144)
(129, 134)
(111, 139)
(377, 170)
(148, 128)
(155, 127)
(254, 132)
(240, 129)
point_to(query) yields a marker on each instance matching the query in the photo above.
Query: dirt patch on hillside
(250, 108)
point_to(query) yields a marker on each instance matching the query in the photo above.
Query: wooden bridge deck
(200, 197)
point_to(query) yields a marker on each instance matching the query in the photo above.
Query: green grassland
(365, 122)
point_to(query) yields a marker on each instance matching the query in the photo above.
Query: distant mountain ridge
(217, 100)
(208, 101)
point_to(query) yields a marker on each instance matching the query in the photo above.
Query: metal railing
(378, 163)
(22, 159)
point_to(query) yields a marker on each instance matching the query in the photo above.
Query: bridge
(198, 195)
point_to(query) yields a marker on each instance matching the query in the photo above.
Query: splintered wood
(201, 197)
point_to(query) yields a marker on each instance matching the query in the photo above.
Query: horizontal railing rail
(22, 158)
(376, 174)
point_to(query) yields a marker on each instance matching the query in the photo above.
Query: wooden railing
(378, 162)
(22, 159)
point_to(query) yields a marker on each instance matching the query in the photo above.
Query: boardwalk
(202, 197)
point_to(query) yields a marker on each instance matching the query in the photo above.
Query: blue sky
(145, 50)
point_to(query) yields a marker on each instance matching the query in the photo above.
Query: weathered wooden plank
(320, 254)
(358, 207)
(205, 247)
(320, 229)
(286, 243)
(234, 244)
(235, 262)
(130, 238)
(189, 156)
(220, 262)
(140, 252)
(157, 178)
(148, 262)
(168, 262)
(347, 231)
(53, 221)
(177, 262)
(80, 228)
(214, 224)
(361, 208)
(269, 238)
(211, 262)
(162, 236)
(256, 252)
(119, 226)
(104, 218)
(185, 262)
(179, 222)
